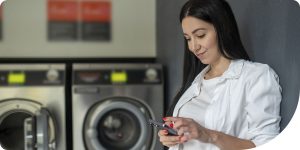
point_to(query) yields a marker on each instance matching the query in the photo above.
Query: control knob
(52, 75)
(151, 74)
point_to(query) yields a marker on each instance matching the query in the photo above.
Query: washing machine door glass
(118, 129)
(13, 112)
(39, 131)
(11, 130)
(117, 125)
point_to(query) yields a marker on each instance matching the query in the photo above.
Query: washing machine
(32, 106)
(111, 105)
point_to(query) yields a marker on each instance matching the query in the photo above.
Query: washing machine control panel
(118, 76)
(31, 77)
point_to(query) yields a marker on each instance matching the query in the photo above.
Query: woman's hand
(168, 140)
(188, 129)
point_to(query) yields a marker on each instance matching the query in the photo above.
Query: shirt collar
(234, 71)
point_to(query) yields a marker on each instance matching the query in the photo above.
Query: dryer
(32, 106)
(111, 105)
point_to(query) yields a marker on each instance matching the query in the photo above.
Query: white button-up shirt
(246, 103)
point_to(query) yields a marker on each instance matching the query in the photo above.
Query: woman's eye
(201, 36)
(188, 39)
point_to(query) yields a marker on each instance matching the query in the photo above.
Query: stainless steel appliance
(112, 103)
(32, 106)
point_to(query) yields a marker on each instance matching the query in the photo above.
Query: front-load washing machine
(111, 105)
(32, 106)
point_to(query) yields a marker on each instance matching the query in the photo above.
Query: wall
(270, 31)
(170, 44)
(25, 32)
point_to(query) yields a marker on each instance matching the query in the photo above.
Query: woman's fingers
(183, 139)
(170, 144)
(168, 140)
(168, 123)
(186, 128)
(170, 119)
(162, 133)
(183, 130)
(178, 121)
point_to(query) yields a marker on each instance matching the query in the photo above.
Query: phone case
(162, 126)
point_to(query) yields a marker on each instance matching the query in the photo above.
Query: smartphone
(162, 126)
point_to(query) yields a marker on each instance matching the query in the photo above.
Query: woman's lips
(201, 54)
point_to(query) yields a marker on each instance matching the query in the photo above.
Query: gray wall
(270, 31)
(170, 43)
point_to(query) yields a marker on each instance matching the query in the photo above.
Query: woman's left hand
(189, 129)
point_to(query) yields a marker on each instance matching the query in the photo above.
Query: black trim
(68, 107)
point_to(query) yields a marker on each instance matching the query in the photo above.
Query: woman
(226, 101)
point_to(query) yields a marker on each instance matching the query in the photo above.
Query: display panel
(16, 78)
(118, 77)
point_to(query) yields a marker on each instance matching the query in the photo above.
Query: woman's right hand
(168, 140)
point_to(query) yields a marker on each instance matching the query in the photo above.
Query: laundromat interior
(89, 74)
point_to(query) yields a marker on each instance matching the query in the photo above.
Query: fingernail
(164, 118)
(171, 125)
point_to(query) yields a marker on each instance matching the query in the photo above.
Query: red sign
(96, 11)
(62, 10)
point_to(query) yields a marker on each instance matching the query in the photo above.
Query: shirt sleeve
(175, 147)
(263, 105)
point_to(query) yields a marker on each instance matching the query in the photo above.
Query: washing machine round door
(14, 123)
(118, 123)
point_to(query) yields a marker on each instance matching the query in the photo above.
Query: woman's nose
(195, 46)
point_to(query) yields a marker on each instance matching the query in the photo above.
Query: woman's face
(202, 39)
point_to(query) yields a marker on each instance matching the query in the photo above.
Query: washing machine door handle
(29, 133)
(42, 130)
(39, 131)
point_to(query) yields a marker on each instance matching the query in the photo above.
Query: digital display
(16, 78)
(118, 77)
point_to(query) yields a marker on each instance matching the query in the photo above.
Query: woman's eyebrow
(198, 30)
(194, 31)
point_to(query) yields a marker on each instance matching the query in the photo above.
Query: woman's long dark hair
(219, 14)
